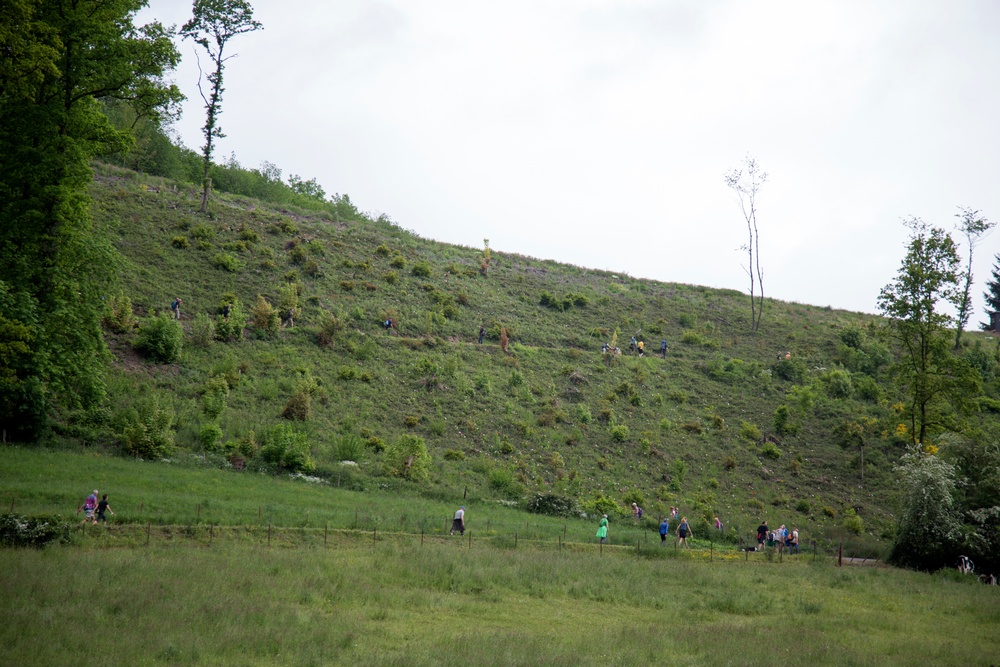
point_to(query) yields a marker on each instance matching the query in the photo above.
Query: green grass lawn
(444, 604)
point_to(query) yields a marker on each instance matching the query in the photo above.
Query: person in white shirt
(459, 521)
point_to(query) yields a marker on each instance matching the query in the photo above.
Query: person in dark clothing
(103, 507)
(761, 535)
(663, 348)
(482, 333)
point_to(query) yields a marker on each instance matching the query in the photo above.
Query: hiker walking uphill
(482, 334)
(663, 348)
(458, 523)
(176, 307)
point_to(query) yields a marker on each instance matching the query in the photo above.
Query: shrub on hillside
(750, 431)
(229, 329)
(783, 421)
(838, 384)
(263, 316)
(118, 316)
(160, 338)
(329, 327)
(792, 370)
(770, 450)
(552, 504)
(299, 406)
(349, 447)
(147, 430)
(619, 432)
(408, 458)
(202, 331)
(603, 504)
(210, 437)
(421, 270)
(382, 250)
(287, 450)
(180, 242)
(226, 262)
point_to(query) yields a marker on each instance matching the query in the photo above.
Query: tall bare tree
(746, 183)
(973, 226)
(213, 24)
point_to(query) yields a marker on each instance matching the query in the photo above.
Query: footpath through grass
(444, 604)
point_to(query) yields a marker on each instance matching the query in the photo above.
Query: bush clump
(17, 530)
(160, 338)
(552, 504)
(408, 458)
(287, 450)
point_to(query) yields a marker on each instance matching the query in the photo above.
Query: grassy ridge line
(441, 605)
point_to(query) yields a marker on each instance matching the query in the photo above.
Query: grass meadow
(205, 567)
(441, 603)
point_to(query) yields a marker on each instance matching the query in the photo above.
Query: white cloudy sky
(597, 132)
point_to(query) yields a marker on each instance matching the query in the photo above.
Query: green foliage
(619, 432)
(770, 450)
(55, 263)
(928, 533)
(210, 436)
(407, 457)
(227, 262)
(160, 338)
(17, 530)
(853, 523)
(230, 329)
(287, 449)
(263, 316)
(937, 383)
(783, 421)
(421, 270)
(838, 384)
(202, 331)
(792, 370)
(214, 397)
(147, 429)
(212, 25)
(750, 431)
(118, 315)
(350, 447)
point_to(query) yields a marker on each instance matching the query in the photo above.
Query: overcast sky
(597, 133)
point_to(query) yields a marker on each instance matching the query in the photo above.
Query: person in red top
(89, 506)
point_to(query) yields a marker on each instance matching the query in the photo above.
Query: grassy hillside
(721, 426)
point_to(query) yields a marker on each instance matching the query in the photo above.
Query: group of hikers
(683, 530)
(634, 347)
(778, 539)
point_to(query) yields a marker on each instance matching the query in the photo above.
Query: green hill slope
(724, 425)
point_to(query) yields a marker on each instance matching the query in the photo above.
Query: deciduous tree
(60, 58)
(939, 384)
(213, 24)
(973, 226)
(746, 183)
(992, 294)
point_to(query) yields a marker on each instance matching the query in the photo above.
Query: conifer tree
(992, 294)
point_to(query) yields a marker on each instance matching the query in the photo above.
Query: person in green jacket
(602, 529)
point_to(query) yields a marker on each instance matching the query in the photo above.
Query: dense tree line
(60, 58)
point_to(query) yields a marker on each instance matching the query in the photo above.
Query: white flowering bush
(32, 531)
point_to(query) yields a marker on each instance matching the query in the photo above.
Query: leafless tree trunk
(746, 183)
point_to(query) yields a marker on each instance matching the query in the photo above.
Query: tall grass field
(207, 567)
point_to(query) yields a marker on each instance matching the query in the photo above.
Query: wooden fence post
(149, 526)
(374, 535)
(211, 534)
(268, 533)
(326, 532)
(421, 536)
(515, 540)
(470, 539)
(638, 552)
(840, 555)
(199, 511)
